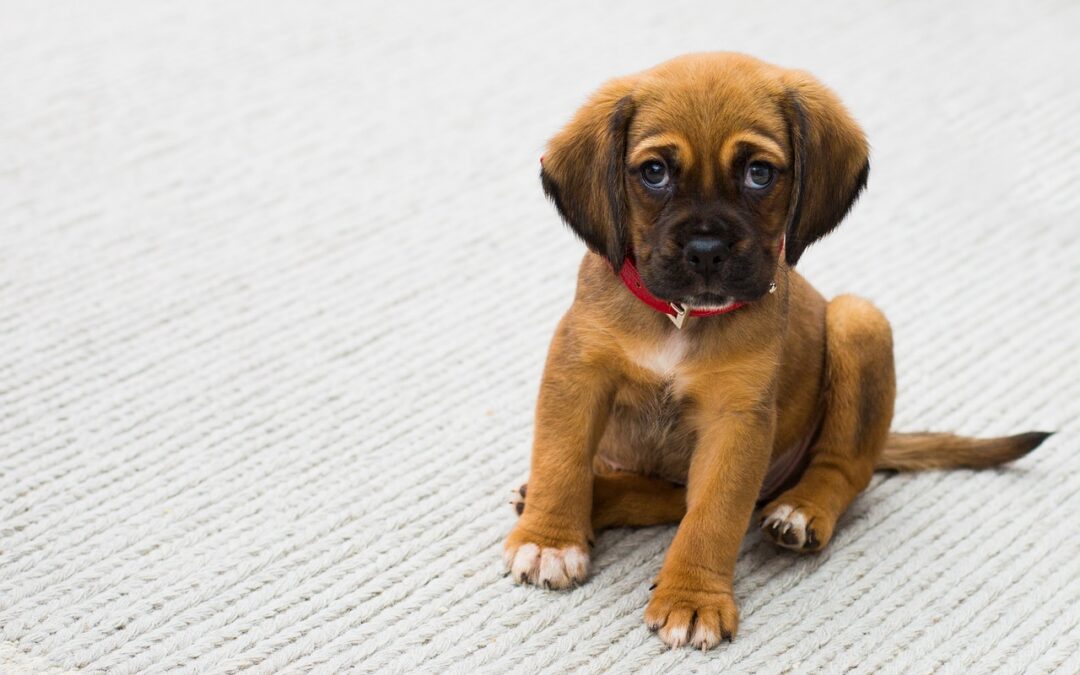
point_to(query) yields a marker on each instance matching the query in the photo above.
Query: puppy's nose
(706, 254)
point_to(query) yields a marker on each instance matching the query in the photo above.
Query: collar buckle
(679, 318)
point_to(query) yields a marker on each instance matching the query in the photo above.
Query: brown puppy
(711, 174)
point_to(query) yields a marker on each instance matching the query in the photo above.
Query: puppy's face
(707, 176)
(701, 168)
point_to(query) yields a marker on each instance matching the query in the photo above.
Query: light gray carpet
(276, 283)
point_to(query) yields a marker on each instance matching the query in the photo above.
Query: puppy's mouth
(694, 293)
(699, 295)
(707, 301)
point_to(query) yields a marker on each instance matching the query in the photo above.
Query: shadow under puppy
(694, 354)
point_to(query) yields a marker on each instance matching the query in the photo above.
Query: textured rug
(276, 284)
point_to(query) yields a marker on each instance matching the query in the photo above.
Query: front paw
(543, 561)
(701, 618)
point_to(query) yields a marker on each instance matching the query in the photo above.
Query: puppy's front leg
(693, 601)
(549, 545)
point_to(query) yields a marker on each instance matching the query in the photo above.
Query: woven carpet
(276, 285)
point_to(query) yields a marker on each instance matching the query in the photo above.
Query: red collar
(675, 311)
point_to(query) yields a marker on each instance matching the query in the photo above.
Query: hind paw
(803, 527)
(517, 500)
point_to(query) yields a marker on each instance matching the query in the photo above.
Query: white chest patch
(664, 358)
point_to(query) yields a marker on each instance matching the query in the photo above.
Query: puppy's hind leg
(623, 499)
(631, 500)
(860, 393)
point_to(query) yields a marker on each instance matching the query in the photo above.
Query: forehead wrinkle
(707, 177)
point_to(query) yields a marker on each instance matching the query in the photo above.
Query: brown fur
(913, 452)
(631, 408)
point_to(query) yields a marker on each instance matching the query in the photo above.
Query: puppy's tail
(913, 452)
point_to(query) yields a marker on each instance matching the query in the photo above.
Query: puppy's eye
(654, 174)
(759, 175)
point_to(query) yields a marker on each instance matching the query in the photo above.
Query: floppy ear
(831, 162)
(582, 171)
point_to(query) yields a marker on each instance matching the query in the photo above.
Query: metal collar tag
(679, 318)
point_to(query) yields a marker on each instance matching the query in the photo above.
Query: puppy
(694, 354)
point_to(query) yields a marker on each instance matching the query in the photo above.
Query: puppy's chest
(648, 431)
(658, 393)
(666, 363)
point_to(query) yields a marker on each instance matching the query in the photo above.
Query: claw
(774, 529)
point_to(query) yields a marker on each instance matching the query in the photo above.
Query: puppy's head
(703, 168)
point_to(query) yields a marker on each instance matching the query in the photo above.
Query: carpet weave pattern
(276, 284)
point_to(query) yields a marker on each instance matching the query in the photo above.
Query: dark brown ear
(832, 161)
(583, 171)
